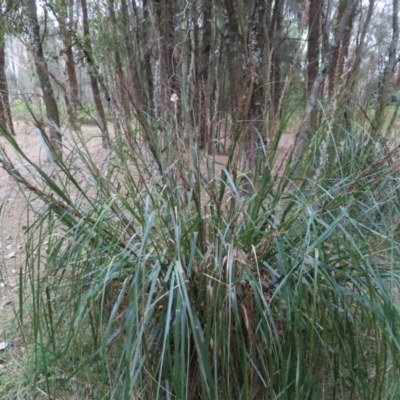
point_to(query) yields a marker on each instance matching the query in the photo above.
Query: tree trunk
(236, 57)
(169, 51)
(65, 19)
(340, 50)
(5, 111)
(139, 94)
(389, 69)
(313, 53)
(360, 44)
(93, 72)
(202, 99)
(145, 70)
(256, 84)
(277, 36)
(328, 60)
(120, 81)
(245, 60)
(44, 79)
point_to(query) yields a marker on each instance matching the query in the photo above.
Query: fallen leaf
(10, 255)
(3, 345)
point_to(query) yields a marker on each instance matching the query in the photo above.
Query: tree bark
(304, 134)
(145, 70)
(256, 84)
(65, 19)
(245, 58)
(360, 44)
(120, 81)
(389, 69)
(44, 79)
(168, 51)
(341, 49)
(276, 33)
(93, 72)
(5, 111)
(313, 53)
(202, 99)
(236, 59)
(139, 94)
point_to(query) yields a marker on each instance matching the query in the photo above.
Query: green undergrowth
(160, 272)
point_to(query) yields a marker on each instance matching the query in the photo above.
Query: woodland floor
(13, 225)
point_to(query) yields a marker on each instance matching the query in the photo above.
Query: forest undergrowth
(149, 276)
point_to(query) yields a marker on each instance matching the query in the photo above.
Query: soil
(13, 222)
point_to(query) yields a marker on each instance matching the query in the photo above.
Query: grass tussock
(161, 272)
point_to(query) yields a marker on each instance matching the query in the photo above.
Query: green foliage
(158, 274)
(21, 109)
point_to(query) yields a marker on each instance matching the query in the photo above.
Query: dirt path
(13, 224)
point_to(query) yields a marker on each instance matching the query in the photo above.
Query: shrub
(155, 272)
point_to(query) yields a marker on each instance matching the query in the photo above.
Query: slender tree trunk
(93, 72)
(118, 65)
(44, 79)
(327, 61)
(139, 93)
(389, 69)
(313, 53)
(203, 98)
(245, 59)
(277, 35)
(146, 70)
(65, 19)
(169, 51)
(341, 48)
(256, 85)
(360, 45)
(5, 111)
(235, 56)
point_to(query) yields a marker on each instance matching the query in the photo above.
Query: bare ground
(13, 227)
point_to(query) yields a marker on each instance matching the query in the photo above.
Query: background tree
(5, 111)
(44, 78)
(93, 72)
(63, 11)
(313, 52)
(388, 72)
